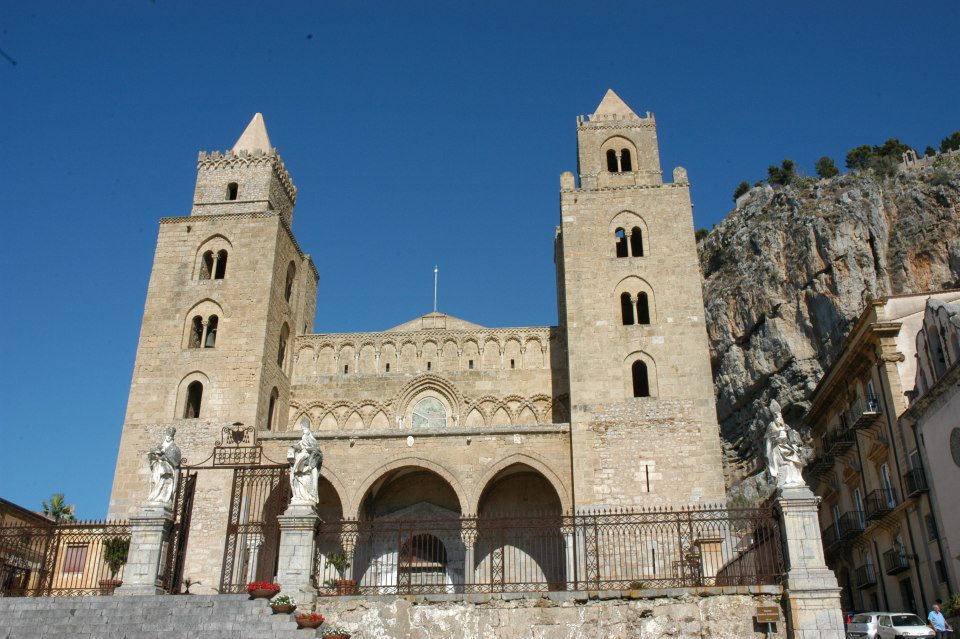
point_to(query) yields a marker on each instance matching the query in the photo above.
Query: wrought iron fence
(601, 550)
(62, 560)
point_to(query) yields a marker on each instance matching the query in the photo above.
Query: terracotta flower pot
(262, 593)
(283, 608)
(336, 637)
(307, 623)
(346, 586)
(107, 586)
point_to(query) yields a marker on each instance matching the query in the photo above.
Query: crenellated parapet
(244, 159)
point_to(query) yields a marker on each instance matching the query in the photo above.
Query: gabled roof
(434, 321)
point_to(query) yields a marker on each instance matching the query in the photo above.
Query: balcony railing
(819, 466)
(915, 481)
(839, 441)
(895, 560)
(880, 502)
(842, 531)
(863, 413)
(866, 576)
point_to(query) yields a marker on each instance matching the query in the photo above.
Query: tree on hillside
(951, 142)
(742, 188)
(783, 174)
(929, 151)
(826, 168)
(859, 158)
(58, 509)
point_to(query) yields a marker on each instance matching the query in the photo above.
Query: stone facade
(613, 407)
(879, 527)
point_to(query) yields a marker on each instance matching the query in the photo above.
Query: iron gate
(260, 494)
(177, 543)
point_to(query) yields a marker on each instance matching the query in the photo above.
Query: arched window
(232, 190)
(196, 331)
(282, 347)
(211, 339)
(288, 287)
(191, 409)
(643, 309)
(612, 161)
(621, 242)
(636, 242)
(625, 164)
(221, 265)
(272, 409)
(206, 266)
(641, 385)
(626, 309)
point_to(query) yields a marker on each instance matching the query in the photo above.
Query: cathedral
(437, 417)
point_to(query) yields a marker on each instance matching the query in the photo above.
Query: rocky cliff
(790, 269)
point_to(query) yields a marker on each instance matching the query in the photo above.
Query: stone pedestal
(148, 545)
(298, 526)
(811, 589)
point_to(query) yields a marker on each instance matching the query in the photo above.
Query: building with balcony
(878, 515)
(933, 424)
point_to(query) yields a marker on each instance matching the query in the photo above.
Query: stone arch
(180, 398)
(424, 383)
(205, 309)
(527, 416)
(492, 349)
(213, 245)
(360, 493)
(354, 421)
(475, 418)
(531, 460)
(634, 285)
(533, 353)
(619, 144)
(337, 487)
(471, 352)
(500, 417)
(408, 357)
(303, 363)
(628, 220)
(379, 421)
(512, 352)
(388, 355)
(651, 373)
(450, 356)
(367, 362)
(328, 422)
(429, 356)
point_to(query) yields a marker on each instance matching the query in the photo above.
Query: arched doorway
(519, 544)
(409, 534)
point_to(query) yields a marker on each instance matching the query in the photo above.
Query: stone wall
(719, 613)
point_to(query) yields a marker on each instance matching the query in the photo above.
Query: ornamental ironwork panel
(59, 560)
(607, 550)
(259, 495)
(176, 550)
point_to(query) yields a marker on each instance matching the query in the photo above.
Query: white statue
(784, 451)
(164, 463)
(305, 460)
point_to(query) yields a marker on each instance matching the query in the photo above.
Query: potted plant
(189, 582)
(309, 620)
(340, 563)
(336, 633)
(262, 589)
(115, 550)
(283, 604)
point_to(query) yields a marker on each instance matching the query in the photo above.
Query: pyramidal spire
(612, 105)
(254, 137)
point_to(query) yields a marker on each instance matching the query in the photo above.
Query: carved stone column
(149, 530)
(298, 528)
(812, 592)
(468, 535)
(254, 542)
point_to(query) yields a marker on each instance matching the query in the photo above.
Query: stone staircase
(149, 617)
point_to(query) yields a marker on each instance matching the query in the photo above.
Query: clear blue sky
(417, 134)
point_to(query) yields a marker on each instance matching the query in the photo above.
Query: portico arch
(532, 464)
(356, 501)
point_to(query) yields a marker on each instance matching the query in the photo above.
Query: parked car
(863, 625)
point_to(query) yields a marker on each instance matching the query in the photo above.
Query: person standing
(938, 623)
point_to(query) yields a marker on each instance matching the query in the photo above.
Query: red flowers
(311, 617)
(262, 585)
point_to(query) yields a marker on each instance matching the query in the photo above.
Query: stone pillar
(254, 542)
(812, 593)
(298, 526)
(149, 530)
(468, 535)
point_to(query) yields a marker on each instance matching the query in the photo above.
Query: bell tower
(229, 291)
(643, 421)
